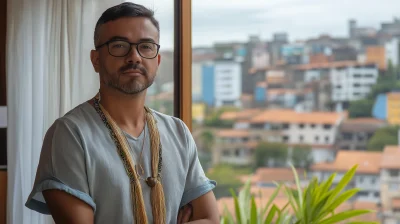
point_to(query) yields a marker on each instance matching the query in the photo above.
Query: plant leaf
(271, 214)
(253, 216)
(237, 208)
(271, 199)
(344, 216)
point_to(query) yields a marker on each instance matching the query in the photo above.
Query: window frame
(183, 61)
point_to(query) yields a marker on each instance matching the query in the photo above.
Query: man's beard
(133, 86)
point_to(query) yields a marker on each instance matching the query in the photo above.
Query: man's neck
(126, 110)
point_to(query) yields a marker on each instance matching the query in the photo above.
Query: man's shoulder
(170, 123)
(79, 117)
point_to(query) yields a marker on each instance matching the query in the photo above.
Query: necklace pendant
(151, 181)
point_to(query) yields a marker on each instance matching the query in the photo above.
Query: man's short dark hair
(126, 9)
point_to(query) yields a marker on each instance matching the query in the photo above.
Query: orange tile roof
(276, 80)
(396, 203)
(233, 133)
(267, 175)
(291, 116)
(368, 162)
(236, 115)
(246, 97)
(391, 157)
(393, 95)
(326, 65)
(262, 84)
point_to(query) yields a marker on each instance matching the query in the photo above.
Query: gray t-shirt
(79, 157)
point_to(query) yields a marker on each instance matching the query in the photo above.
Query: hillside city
(323, 104)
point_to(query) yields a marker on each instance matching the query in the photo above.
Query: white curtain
(48, 73)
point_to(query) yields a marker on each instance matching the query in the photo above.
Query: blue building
(208, 84)
(379, 110)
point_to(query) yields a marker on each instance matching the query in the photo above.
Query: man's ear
(94, 57)
(159, 59)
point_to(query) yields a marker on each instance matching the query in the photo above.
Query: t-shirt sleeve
(61, 166)
(197, 184)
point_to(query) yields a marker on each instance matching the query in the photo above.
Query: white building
(352, 82)
(392, 51)
(228, 83)
(367, 177)
(317, 129)
(390, 184)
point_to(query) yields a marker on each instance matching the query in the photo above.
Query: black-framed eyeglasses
(121, 48)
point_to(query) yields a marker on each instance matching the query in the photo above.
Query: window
(377, 194)
(369, 76)
(327, 126)
(327, 139)
(362, 194)
(237, 152)
(373, 180)
(284, 112)
(226, 153)
(361, 179)
(347, 136)
(285, 126)
(393, 173)
(285, 138)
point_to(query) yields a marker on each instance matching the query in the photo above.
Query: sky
(234, 20)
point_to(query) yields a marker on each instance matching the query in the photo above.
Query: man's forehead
(133, 28)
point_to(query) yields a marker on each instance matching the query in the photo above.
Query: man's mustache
(134, 67)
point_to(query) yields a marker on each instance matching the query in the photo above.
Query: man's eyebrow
(147, 40)
(126, 39)
(118, 38)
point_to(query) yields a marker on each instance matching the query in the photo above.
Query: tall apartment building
(228, 83)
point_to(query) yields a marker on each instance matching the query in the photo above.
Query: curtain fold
(48, 73)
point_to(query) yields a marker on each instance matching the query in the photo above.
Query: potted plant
(316, 203)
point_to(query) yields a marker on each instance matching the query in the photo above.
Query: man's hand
(185, 213)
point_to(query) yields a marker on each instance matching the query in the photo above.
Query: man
(113, 160)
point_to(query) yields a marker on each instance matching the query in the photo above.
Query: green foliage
(302, 156)
(318, 203)
(227, 178)
(247, 212)
(270, 150)
(207, 140)
(382, 137)
(386, 82)
(213, 120)
(361, 108)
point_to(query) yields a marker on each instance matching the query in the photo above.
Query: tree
(213, 120)
(302, 156)
(277, 152)
(227, 177)
(383, 137)
(207, 140)
(361, 108)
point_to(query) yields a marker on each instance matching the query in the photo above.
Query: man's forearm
(203, 221)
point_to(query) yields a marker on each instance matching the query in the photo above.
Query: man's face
(130, 74)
